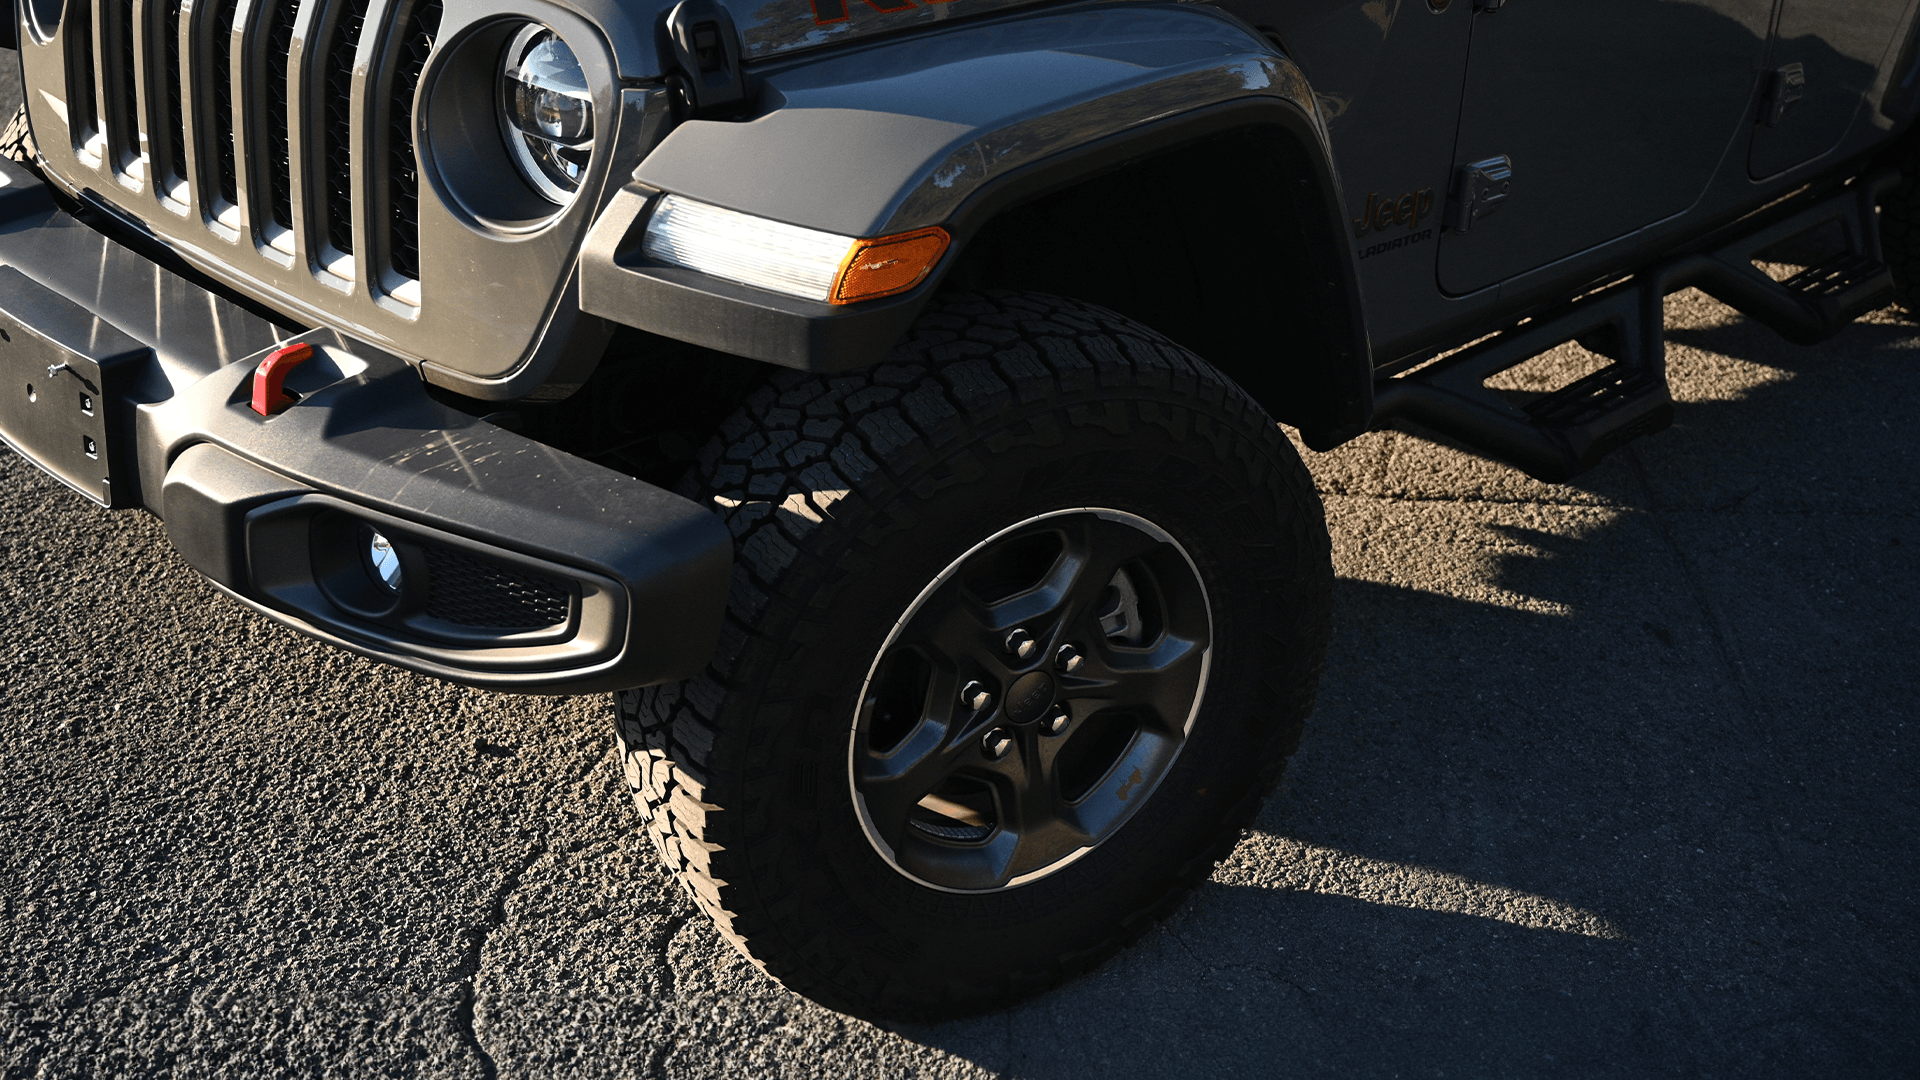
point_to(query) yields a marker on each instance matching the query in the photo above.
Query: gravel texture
(1614, 777)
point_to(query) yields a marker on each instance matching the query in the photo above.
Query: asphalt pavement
(1608, 778)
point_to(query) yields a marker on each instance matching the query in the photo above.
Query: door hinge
(705, 48)
(1785, 88)
(1479, 190)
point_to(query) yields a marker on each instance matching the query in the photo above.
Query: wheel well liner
(1221, 230)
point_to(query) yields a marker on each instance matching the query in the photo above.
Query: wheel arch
(1181, 124)
(1226, 235)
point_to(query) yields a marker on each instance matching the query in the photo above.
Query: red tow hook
(269, 379)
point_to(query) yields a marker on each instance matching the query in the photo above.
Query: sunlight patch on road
(1696, 374)
(1282, 863)
(1503, 556)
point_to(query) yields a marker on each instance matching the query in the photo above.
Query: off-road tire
(1900, 232)
(16, 140)
(847, 494)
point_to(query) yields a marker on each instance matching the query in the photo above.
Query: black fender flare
(951, 129)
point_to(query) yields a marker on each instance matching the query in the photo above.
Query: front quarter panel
(899, 135)
(954, 127)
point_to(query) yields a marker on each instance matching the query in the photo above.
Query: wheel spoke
(1043, 834)
(894, 783)
(1107, 547)
(1036, 828)
(954, 627)
(1158, 682)
(1125, 786)
(1043, 599)
(1069, 596)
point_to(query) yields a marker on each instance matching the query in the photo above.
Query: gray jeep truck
(880, 397)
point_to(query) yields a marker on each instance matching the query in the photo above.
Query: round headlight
(546, 112)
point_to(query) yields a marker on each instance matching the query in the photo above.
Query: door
(1388, 76)
(1614, 113)
(1821, 68)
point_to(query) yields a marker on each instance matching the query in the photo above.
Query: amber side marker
(889, 264)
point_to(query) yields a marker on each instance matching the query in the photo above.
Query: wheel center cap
(1029, 696)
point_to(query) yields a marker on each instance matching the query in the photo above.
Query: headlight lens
(546, 112)
(771, 255)
(740, 247)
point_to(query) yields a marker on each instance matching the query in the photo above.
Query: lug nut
(1021, 644)
(975, 696)
(1057, 720)
(1068, 659)
(996, 743)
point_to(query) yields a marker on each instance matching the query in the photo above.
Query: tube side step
(1567, 431)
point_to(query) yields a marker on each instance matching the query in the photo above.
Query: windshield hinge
(705, 49)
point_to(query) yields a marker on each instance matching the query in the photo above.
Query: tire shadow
(1609, 779)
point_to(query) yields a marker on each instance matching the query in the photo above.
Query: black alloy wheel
(1023, 625)
(1030, 700)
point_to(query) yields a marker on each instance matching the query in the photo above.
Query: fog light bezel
(303, 560)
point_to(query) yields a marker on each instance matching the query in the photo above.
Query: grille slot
(227, 179)
(337, 129)
(403, 171)
(124, 126)
(489, 595)
(279, 151)
(174, 168)
(83, 108)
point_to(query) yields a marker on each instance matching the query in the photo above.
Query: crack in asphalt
(670, 929)
(1013, 1050)
(469, 970)
(1182, 942)
(1477, 500)
(1229, 965)
(1702, 601)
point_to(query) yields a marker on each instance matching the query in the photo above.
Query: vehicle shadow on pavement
(1604, 777)
(1610, 777)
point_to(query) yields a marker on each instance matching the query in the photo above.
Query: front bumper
(524, 569)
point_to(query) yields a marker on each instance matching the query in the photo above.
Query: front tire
(16, 140)
(1024, 475)
(1900, 232)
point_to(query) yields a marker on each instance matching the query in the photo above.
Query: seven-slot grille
(208, 108)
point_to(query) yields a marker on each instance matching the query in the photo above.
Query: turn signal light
(890, 264)
(772, 255)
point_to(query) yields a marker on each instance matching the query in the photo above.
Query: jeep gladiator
(881, 398)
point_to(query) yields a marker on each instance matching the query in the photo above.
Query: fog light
(383, 563)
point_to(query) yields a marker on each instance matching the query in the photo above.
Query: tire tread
(779, 472)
